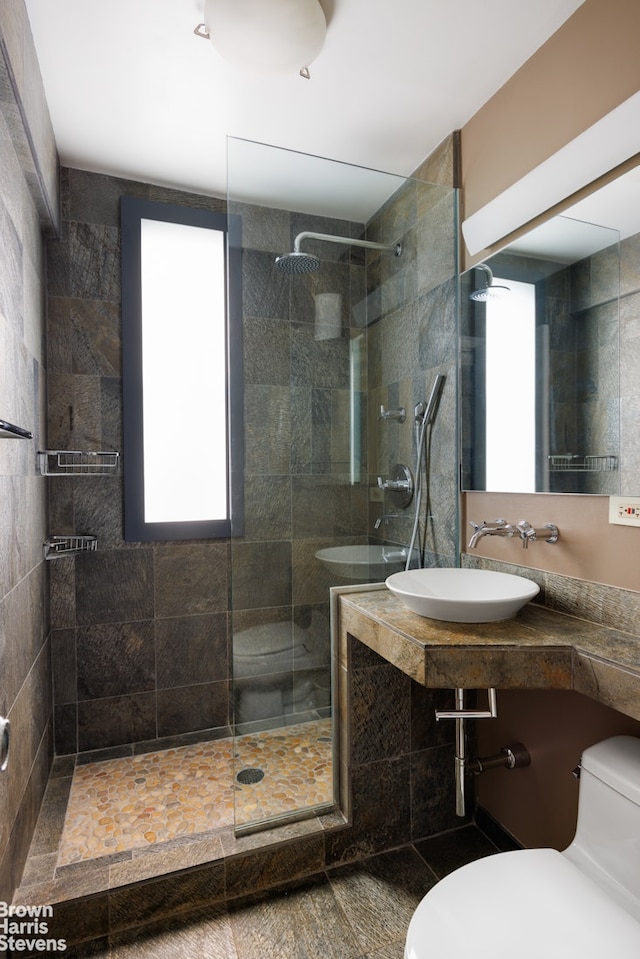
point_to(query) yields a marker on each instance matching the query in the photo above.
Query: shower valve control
(399, 484)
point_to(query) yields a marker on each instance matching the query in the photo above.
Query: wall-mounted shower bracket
(399, 414)
(399, 485)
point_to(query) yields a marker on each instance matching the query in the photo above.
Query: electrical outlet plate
(624, 510)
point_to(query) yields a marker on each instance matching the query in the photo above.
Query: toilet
(544, 904)
(279, 669)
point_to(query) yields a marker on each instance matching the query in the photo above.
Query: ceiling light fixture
(267, 36)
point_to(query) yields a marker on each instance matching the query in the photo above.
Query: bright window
(178, 363)
(511, 372)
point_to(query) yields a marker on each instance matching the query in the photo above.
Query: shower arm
(395, 248)
(487, 270)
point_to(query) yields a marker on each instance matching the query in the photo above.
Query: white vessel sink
(462, 595)
(362, 563)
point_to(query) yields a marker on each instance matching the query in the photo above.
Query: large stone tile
(203, 933)
(380, 713)
(114, 586)
(94, 258)
(187, 708)
(451, 850)
(381, 812)
(267, 507)
(266, 351)
(63, 654)
(433, 803)
(191, 649)
(48, 831)
(261, 574)
(321, 506)
(379, 895)
(97, 504)
(306, 922)
(116, 720)
(190, 579)
(157, 899)
(263, 868)
(115, 659)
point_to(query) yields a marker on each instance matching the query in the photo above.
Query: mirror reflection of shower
(490, 290)
(299, 262)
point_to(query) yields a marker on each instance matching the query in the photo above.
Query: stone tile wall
(413, 338)
(140, 631)
(27, 205)
(139, 636)
(298, 491)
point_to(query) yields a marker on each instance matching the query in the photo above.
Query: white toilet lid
(528, 904)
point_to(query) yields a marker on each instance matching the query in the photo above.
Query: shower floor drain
(249, 776)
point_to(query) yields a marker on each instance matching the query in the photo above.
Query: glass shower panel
(305, 524)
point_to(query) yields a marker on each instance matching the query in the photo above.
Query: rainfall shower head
(299, 262)
(491, 291)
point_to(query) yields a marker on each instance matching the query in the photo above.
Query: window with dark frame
(182, 372)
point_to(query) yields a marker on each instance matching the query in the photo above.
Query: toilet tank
(606, 846)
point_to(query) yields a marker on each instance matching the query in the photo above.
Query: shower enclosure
(361, 314)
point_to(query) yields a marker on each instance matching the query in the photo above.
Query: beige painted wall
(588, 548)
(586, 69)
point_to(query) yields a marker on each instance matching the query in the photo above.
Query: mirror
(550, 368)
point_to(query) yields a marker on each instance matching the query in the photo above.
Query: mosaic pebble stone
(135, 801)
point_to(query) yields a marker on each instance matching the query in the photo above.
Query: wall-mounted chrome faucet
(549, 533)
(502, 528)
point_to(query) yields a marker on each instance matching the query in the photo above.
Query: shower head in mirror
(491, 290)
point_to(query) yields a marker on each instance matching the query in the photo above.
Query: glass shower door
(307, 427)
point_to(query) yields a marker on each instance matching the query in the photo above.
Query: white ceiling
(134, 93)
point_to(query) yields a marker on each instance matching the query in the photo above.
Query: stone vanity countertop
(538, 649)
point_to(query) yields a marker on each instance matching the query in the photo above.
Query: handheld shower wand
(424, 417)
(434, 399)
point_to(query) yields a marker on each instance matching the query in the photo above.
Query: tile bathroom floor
(359, 910)
(108, 823)
(348, 912)
(136, 801)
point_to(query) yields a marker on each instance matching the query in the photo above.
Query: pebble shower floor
(136, 801)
